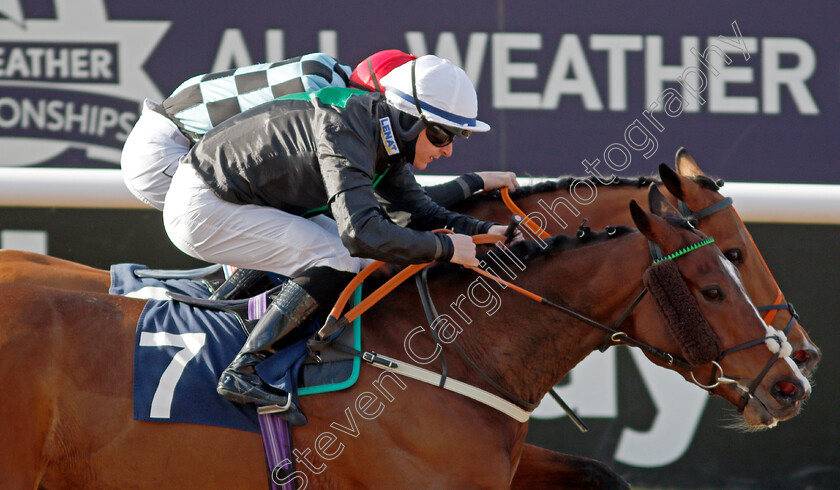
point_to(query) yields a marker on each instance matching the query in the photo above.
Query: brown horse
(554, 206)
(607, 206)
(538, 467)
(66, 370)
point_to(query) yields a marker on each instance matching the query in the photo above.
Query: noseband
(775, 340)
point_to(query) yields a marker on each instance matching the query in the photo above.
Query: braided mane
(562, 183)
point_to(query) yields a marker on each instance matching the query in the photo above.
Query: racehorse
(690, 185)
(66, 362)
(554, 206)
(607, 206)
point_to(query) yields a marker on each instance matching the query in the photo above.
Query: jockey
(165, 132)
(251, 191)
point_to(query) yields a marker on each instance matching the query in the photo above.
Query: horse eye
(713, 294)
(735, 256)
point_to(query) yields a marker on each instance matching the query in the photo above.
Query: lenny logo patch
(388, 136)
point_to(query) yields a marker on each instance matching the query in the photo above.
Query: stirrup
(275, 408)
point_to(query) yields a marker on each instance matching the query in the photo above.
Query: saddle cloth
(181, 350)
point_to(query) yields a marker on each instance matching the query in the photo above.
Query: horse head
(705, 315)
(713, 214)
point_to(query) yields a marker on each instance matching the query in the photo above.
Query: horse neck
(525, 346)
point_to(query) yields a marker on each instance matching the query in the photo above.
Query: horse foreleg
(541, 468)
(30, 268)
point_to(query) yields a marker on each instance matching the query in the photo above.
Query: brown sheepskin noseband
(698, 342)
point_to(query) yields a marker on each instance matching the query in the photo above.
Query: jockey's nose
(446, 150)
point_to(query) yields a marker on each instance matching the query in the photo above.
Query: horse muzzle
(778, 397)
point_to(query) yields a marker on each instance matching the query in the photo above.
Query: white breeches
(249, 236)
(150, 156)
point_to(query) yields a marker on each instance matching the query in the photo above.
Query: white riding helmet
(445, 94)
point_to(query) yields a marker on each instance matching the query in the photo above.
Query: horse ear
(658, 204)
(671, 180)
(639, 216)
(686, 165)
(682, 184)
(654, 228)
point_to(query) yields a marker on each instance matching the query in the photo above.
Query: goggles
(438, 134)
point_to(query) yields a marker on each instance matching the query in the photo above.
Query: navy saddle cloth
(181, 350)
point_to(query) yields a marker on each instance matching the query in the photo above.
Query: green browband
(685, 250)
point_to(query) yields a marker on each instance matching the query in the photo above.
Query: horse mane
(562, 182)
(709, 183)
(531, 249)
(565, 181)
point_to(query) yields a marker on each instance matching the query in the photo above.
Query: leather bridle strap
(616, 335)
(707, 211)
(750, 391)
(793, 314)
(777, 303)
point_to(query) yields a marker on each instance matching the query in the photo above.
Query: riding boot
(239, 382)
(238, 282)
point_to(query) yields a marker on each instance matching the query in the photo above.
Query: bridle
(775, 340)
(336, 322)
(777, 304)
(692, 217)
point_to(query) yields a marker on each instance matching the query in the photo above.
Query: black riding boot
(239, 382)
(240, 281)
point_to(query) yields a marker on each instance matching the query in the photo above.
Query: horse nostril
(786, 387)
(806, 360)
(788, 392)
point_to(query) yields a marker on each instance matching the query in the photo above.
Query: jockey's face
(425, 151)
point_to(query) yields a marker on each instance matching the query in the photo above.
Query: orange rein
(527, 221)
(404, 274)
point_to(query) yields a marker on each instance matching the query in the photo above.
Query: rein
(336, 322)
(694, 216)
(775, 340)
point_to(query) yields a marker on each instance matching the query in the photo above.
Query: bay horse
(689, 185)
(66, 369)
(606, 206)
(553, 206)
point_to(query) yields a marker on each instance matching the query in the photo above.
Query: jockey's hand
(501, 229)
(497, 180)
(464, 250)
